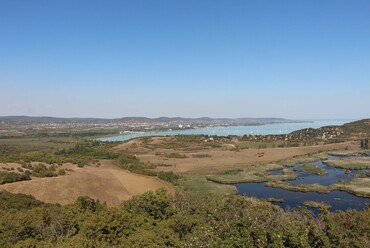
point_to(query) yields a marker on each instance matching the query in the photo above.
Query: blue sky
(293, 59)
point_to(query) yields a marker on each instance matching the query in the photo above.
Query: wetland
(336, 187)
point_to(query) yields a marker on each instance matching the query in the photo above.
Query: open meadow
(204, 156)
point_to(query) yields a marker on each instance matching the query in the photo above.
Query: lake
(281, 128)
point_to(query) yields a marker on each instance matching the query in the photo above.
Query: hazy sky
(293, 59)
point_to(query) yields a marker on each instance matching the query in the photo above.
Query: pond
(334, 175)
(339, 200)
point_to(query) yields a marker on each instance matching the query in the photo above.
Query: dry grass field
(350, 163)
(204, 159)
(107, 183)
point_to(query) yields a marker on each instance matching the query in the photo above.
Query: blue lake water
(333, 176)
(281, 128)
(339, 200)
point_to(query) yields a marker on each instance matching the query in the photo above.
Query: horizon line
(173, 117)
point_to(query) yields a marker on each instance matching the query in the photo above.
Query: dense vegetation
(156, 219)
(82, 153)
(11, 202)
(10, 177)
(41, 170)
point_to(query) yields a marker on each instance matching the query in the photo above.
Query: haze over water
(281, 128)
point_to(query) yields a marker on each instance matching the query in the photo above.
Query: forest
(185, 219)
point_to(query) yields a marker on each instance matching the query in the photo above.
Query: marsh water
(281, 128)
(334, 174)
(339, 200)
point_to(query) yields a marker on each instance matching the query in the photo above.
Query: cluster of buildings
(99, 124)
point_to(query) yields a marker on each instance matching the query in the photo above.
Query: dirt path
(106, 183)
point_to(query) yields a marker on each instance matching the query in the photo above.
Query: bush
(168, 176)
(132, 164)
(17, 201)
(41, 170)
(155, 204)
(10, 177)
(175, 155)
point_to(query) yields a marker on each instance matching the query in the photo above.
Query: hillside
(361, 127)
(107, 183)
(352, 130)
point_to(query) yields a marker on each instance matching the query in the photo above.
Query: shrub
(41, 170)
(168, 176)
(10, 177)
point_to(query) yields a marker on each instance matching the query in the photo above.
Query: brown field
(107, 183)
(203, 159)
(5, 167)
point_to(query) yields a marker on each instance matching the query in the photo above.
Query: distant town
(127, 123)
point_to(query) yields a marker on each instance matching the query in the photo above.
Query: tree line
(157, 219)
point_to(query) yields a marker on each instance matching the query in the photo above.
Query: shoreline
(168, 132)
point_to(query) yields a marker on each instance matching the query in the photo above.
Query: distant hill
(358, 127)
(355, 129)
(204, 120)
